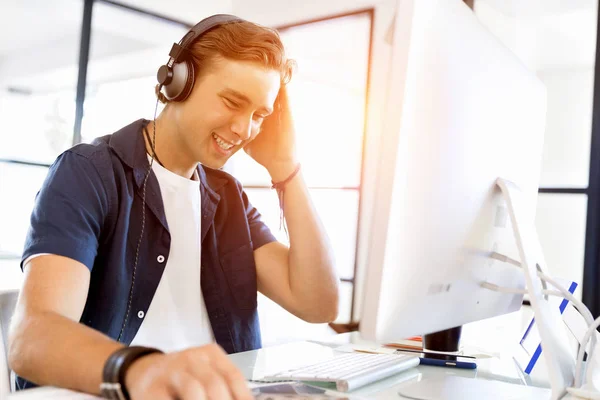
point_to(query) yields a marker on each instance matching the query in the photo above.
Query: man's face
(225, 110)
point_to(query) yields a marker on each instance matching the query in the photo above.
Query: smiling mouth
(222, 143)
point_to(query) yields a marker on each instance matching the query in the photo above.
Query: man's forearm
(313, 280)
(50, 349)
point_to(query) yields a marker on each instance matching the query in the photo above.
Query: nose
(242, 127)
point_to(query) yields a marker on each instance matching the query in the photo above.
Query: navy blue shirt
(90, 209)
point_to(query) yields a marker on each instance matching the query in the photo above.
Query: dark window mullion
(151, 14)
(84, 56)
(563, 190)
(22, 162)
(591, 271)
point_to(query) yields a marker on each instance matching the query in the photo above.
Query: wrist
(117, 366)
(281, 170)
(137, 369)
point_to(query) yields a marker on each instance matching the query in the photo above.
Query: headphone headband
(206, 25)
(177, 75)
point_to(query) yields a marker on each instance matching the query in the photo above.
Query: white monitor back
(461, 111)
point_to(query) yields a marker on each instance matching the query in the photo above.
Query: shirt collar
(128, 144)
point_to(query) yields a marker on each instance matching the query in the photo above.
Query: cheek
(201, 116)
(204, 123)
(218, 118)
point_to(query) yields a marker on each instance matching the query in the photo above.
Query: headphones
(177, 76)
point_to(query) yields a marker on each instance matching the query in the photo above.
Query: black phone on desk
(442, 360)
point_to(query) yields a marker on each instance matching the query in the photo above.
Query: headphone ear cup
(189, 82)
(180, 86)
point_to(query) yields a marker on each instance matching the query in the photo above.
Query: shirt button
(141, 314)
(160, 259)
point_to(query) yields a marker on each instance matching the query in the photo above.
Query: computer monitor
(462, 111)
(459, 165)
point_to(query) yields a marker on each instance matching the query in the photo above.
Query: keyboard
(349, 371)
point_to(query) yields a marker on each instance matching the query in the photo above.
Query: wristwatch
(117, 364)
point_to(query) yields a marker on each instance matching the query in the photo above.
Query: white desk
(255, 364)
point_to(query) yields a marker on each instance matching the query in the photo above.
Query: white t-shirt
(177, 316)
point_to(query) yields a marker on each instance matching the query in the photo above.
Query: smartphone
(443, 360)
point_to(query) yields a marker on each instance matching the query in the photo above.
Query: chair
(8, 300)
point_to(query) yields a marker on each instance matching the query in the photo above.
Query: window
(126, 50)
(38, 78)
(328, 95)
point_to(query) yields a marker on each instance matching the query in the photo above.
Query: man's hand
(274, 146)
(202, 373)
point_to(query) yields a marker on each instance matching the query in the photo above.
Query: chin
(214, 164)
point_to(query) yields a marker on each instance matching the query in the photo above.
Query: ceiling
(531, 8)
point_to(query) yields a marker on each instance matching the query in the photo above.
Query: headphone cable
(137, 250)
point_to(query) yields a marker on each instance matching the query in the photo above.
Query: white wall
(560, 223)
(518, 34)
(566, 156)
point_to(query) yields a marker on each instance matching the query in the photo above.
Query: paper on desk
(406, 344)
(351, 348)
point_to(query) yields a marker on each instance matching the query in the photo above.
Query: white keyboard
(350, 371)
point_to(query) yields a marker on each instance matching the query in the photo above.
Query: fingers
(213, 359)
(233, 377)
(200, 366)
(163, 395)
(186, 386)
(215, 385)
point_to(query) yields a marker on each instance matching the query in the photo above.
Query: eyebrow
(242, 97)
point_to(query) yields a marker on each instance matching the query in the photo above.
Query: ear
(281, 104)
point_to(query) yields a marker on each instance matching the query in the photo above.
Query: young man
(139, 240)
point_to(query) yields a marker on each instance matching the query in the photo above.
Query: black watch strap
(117, 364)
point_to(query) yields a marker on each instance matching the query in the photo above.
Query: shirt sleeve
(259, 231)
(26, 260)
(69, 211)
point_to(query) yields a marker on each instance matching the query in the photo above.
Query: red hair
(241, 41)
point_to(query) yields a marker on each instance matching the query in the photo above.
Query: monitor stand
(446, 341)
(557, 355)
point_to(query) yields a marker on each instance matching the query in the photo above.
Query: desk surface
(255, 364)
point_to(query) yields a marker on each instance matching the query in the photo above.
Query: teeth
(222, 144)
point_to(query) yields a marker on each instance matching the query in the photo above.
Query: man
(139, 240)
